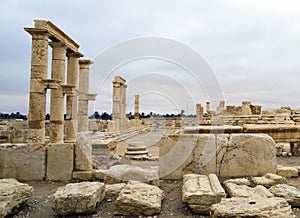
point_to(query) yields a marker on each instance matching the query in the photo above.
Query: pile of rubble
(261, 196)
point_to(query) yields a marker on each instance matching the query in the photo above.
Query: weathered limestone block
(290, 193)
(112, 190)
(201, 191)
(83, 175)
(269, 180)
(287, 172)
(235, 190)
(138, 198)
(83, 153)
(22, 161)
(80, 198)
(12, 195)
(120, 173)
(252, 207)
(239, 181)
(247, 155)
(60, 159)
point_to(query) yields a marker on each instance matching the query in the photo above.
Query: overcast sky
(253, 46)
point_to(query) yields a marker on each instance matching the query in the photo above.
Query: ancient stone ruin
(224, 162)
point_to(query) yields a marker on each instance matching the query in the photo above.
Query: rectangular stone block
(200, 192)
(83, 175)
(60, 159)
(22, 161)
(83, 153)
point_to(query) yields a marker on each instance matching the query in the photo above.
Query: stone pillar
(199, 112)
(246, 109)
(137, 107)
(221, 108)
(71, 98)
(123, 119)
(83, 120)
(208, 110)
(119, 96)
(37, 96)
(57, 96)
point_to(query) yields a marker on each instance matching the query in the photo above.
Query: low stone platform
(201, 191)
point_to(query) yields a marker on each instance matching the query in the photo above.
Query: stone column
(246, 110)
(83, 120)
(123, 119)
(221, 107)
(119, 102)
(71, 98)
(137, 107)
(37, 96)
(208, 110)
(57, 96)
(199, 112)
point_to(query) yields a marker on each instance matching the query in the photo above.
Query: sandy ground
(40, 205)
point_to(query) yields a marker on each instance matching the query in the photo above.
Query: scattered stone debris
(112, 190)
(80, 198)
(124, 172)
(287, 172)
(235, 190)
(269, 180)
(138, 198)
(252, 207)
(290, 193)
(12, 195)
(201, 191)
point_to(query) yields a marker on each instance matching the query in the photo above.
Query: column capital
(85, 63)
(74, 54)
(58, 45)
(38, 33)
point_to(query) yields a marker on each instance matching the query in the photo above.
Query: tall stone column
(59, 50)
(208, 110)
(137, 107)
(199, 112)
(37, 96)
(116, 107)
(83, 120)
(119, 102)
(123, 119)
(71, 98)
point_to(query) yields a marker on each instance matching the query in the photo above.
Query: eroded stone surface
(290, 193)
(83, 153)
(239, 181)
(201, 191)
(259, 191)
(12, 195)
(269, 180)
(22, 161)
(287, 172)
(252, 207)
(79, 198)
(112, 190)
(247, 155)
(124, 172)
(138, 198)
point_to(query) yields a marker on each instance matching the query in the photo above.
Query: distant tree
(105, 116)
(47, 116)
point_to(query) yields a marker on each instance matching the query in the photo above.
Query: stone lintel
(56, 34)
(38, 32)
(119, 80)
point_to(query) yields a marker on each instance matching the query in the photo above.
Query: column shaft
(57, 95)
(72, 102)
(137, 107)
(37, 96)
(83, 99)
